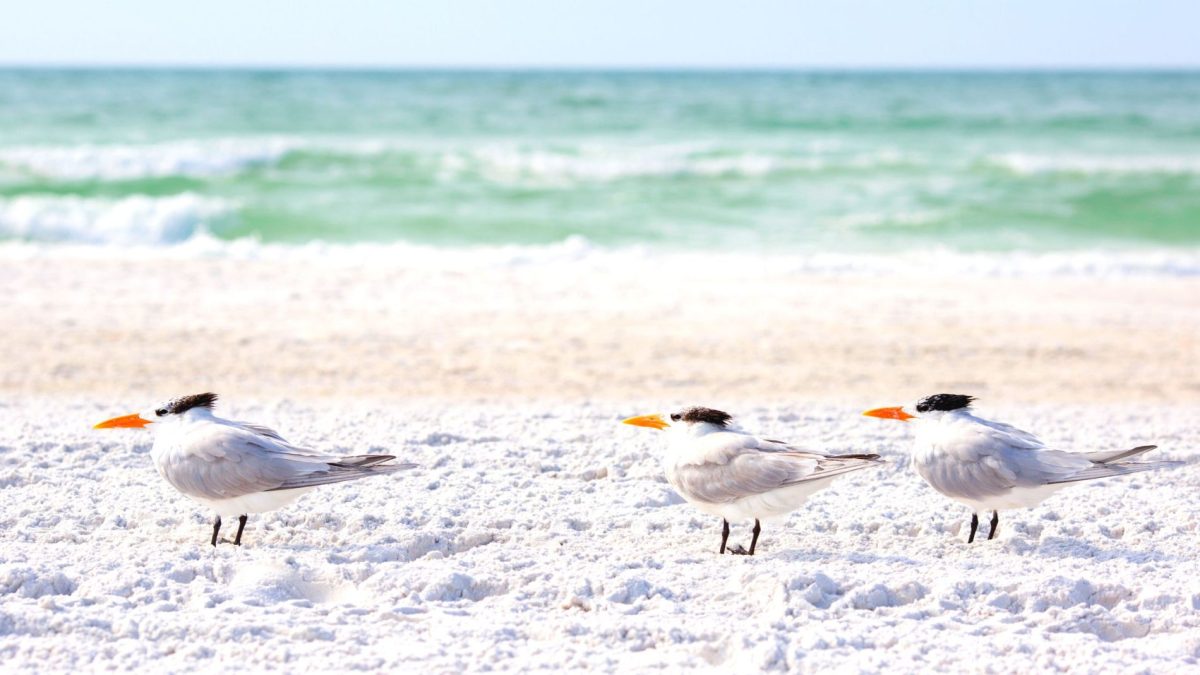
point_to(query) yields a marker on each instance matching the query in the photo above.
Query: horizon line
(647, 68)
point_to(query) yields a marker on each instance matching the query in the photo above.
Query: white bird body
(238, 468)
(724, 471)
(257, 502)
(227, 465)
(737, 476)
(991, 466)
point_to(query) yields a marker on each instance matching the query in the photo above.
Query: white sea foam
(179, 228)
(500, 162)
(137, 219)
(199, 158)
(1022, 163)
(603, 162)
(509, 165)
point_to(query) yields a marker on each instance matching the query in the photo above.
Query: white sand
(539, 532)
(547, 538)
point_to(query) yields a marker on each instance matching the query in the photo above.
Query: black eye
(160, 412)
(675, 417)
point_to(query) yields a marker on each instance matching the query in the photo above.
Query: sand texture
(538, 531)
(547, 538)
(679, 329)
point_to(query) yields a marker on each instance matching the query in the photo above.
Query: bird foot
(738, 550)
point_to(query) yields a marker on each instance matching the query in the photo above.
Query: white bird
(991, 466)
(237, 468)
(724, 471)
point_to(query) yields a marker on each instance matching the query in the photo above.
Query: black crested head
(177, 406)
(944, 402)
(693, 415)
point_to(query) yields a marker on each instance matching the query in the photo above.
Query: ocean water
(830, 163)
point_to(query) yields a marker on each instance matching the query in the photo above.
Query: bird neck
(198, 414)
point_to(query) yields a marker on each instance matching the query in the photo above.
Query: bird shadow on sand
(1050, 547)
(855, 557)
(1062, 547)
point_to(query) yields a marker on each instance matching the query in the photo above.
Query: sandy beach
(384, 280)
(670, 329)
(546, 537)
(538, 531)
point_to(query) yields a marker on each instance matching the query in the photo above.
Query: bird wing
(1006, 434)
(259, 429)
(338, 473)
(1109, 456)
(991, 458)
(1111, 463)
(736, 466)
(224, 461)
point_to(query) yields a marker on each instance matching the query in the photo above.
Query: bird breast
(168, 457)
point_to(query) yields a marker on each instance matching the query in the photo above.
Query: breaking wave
(129, 220)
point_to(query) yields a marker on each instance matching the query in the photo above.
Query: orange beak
(652, 421)
(896, 413)
(127, 422)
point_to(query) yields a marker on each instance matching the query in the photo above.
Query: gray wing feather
(261, 430)
(1107, 470)
(991, 458)
(743, 471)
(1110, 456)
(984, 477)
(1026, 466)
(1003, 457)
(221, 462)
(339, 473)
(363, 460)
(230, 468)
(990, 477)
(1008, 434)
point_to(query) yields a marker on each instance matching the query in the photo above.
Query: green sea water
(807, 161)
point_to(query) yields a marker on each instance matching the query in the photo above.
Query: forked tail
(1108, 457)
(1106, 464)
(347, 468)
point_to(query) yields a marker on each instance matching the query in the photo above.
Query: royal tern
(238, 468)
(990, 466)
(727, 472)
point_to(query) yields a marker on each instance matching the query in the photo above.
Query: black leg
(724, 534)
(216, 529)
(974, 526)
(754, 539)
(995, 522)
(237, 541)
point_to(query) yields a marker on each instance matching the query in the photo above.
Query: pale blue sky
(617, 33)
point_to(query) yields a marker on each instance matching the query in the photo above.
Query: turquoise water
(805, 161)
